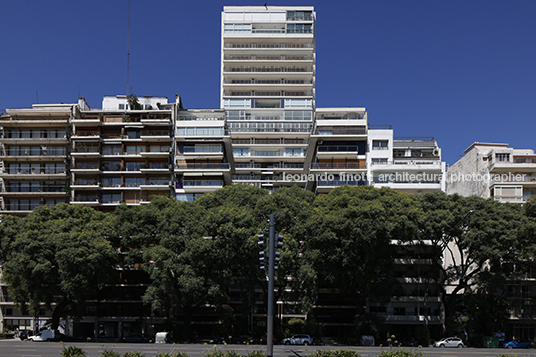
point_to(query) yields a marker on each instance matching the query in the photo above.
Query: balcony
(202, 149)
(341, 131)
(182, 166)
(269, 45)
(85, 134)
(337, 183)
(155, 167)
(339, 166)
(308, 70)
(195, 186)
(156, 135)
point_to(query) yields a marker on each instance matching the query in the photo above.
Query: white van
(44, 335)
(162, 337)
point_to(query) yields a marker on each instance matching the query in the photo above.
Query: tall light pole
(271, 274)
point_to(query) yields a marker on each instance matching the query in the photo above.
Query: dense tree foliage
(194, 253)
(57, 255)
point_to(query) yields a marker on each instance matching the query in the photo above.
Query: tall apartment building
(34, 154)
(267, 132)
(268, 89)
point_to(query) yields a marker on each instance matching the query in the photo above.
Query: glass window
(380, 144)
(237, 103)
(298, 103)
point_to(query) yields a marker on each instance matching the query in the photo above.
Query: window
(241, 152)
(298, 103)
(299, 28)
(230, 28)
(299, 16)
(380, 144)
(298, 115)
(379, 161)
(502, 157)
(111, 198)
(294, 152)
(237, 103)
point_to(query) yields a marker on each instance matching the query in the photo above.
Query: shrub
(215, 353)
(110, 353)
(336, 353)
(181, 354)
(133, 354)
(232, 353)
(399, 352)
(73, 351)
(256, 353)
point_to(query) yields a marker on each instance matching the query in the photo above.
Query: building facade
(267, 132)
(493, 170)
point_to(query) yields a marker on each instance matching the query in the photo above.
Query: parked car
(137, 338)
(449, 342)
(518, 344)
(298, 340)
(23, 335)
(45, 335)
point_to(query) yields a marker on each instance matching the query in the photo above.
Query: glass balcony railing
(348, 148)
(202, 149)
(203, 183)
(339, 165)
(340, 183)
(201, 166)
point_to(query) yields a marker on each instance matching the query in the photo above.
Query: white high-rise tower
(268, 89)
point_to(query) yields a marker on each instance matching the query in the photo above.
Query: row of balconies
(267, 94)
(267, 58)
(97, 134)
(271, 69)
(228, 45)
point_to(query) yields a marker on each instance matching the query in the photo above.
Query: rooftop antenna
(128, 48)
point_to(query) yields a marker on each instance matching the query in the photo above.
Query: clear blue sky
(458, 70)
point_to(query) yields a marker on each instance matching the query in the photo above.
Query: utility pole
(271, 262)
(274, 241)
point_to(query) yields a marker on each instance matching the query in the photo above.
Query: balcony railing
(155, 133)
(41, 171)
(269, 130)
(201, 166)
(348, 148)
(203, 183)
(268, 94)
(339, 165)
(87, 133)
(267, 58)
(269, 45)
(202, 149)
(408, 162)
(340, 183)
(268, 81)
(357, 131)
(268, 69)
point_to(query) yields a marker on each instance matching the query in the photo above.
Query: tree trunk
(58, 313)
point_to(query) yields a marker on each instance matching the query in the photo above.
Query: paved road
(16, 348)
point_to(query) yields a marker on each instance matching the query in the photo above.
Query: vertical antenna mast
(127, 92)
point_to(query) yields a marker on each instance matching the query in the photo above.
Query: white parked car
(449, 342)
(44, 335)
(298, 340)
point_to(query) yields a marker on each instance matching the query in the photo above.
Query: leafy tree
(295, 277)
(476, 240)
(58, 256)
(351, 238)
